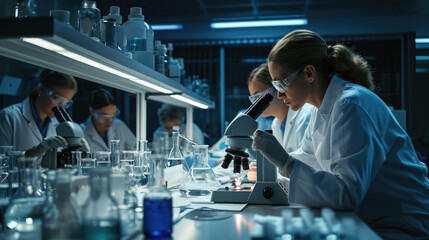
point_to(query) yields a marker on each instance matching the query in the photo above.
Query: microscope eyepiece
(257, 108)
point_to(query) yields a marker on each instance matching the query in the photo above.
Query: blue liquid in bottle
(102, 229)
(158, 217)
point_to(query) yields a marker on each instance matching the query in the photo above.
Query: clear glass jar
(158, 213)
(89, 19)
(201, 180)
(23, 217)
(100, 212)
(62, 219)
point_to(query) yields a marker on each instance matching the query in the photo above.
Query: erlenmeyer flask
(201, 180)
(177, 160)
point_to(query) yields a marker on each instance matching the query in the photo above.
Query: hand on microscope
(272, 150)
(47, 144)
(85, 145)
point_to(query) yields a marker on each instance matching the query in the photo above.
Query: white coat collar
(91, 131)
(26, 112)
(333, 92)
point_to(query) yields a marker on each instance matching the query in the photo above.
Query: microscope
(266, 189)
(72, 133)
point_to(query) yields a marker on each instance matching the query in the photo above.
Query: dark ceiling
(193, 11)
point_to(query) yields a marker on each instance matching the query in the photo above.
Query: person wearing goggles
(288, 126)
(354, 155)
(31, 125)
(103, 124)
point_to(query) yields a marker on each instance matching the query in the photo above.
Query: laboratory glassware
(5, 149)
(4, 176)
(127, 158)
(158, 215)
(143, 146)
(62, 219)
(100, 212)
(176, 157)
(115, 14)
(23, 217)
(115, 153)
(200, 180)
(89, 19)
(76, 161)
(13, 173)
(61, 15)
(141, 169)
(87, 165)
(25, 8)
(109, 34)
(103, 159)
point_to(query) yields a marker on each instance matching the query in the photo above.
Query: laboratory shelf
(48, 43)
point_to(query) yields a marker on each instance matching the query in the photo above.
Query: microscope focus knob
(268, 192)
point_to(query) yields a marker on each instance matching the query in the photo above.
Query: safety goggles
(255, 96)
(281, 85)
(57, 99)
(106, 118)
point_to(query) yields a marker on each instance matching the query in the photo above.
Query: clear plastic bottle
(176, 157)
(23, 217)
(89, 19)
(62, 219)
(135, 32)
(109, 34)
(158, 213)
(115, 14)
(201, 180)
(100, 212)
(25, 8)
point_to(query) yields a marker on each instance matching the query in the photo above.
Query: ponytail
(301, 47)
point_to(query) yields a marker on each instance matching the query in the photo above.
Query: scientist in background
(170, 116)
(288, 126)
(368, 162)
(102, 124)
(31, 125)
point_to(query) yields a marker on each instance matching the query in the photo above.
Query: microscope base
(270, 193)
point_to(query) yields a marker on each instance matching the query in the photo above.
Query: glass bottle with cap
(158, 213)
(88, 20)
(115, 14)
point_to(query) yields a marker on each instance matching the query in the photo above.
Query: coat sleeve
(6, 129)
(356, 155)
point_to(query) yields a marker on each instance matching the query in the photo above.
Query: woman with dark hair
(102, 124)
(368, 162)
(30, 125)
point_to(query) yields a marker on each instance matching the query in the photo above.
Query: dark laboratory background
(401, 70)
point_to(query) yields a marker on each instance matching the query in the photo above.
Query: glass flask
(62, 219)
(115, 154)
(100, 212)
(176, 158)
(23, 217)
(158, 213)
(200, 180)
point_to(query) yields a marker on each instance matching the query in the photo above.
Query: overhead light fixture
(190, 101)
(262, 23)
(157, 27)
(60, 50)
(422, 40)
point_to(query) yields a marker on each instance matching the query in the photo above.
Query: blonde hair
(260, 74)
(301, 47)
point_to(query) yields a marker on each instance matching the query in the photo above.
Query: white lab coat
(197, 134)
(118, 131)
(295, 126)
(368, 164)
(18, 128)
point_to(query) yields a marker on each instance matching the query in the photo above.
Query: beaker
(127, 158)
(13, 172)
(143, 146)
(87, 165)
(200, 180)
(103, 159)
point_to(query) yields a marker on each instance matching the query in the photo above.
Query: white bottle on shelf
(115, 14)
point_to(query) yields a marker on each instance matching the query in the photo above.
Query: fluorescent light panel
(158, 27)
(190, 101)
(422, 40)
(263, 23)
(60, 50)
